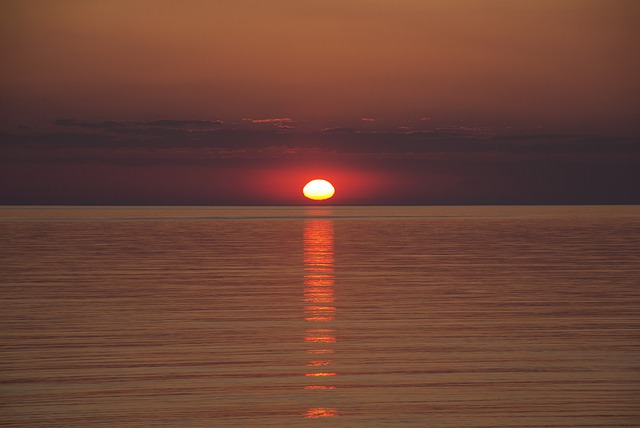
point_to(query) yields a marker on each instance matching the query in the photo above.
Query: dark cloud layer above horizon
(455, 164)
(454, 142)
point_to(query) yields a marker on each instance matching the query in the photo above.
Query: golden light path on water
(319, 311)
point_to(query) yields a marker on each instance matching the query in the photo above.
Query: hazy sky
(242, 101)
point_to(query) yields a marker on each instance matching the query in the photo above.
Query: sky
(396, 102)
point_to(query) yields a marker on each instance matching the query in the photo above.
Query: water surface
(289, 316)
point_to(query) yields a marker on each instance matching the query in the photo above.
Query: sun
(318, 190)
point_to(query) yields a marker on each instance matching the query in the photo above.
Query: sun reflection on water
(318, 299)
(320, 413)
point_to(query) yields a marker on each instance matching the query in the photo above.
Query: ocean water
(330, 316)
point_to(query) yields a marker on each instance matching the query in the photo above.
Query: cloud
(270, 120)
(281, 125)
(367, 119)
(338, 130)
(113, 125)
(199, 141)
(200, 124)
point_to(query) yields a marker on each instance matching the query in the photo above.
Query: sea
(462, 316)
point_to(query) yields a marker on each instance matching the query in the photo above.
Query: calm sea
(300, 317)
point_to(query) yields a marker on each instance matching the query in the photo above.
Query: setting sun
(318, 190)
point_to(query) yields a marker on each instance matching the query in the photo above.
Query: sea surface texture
(329, 316)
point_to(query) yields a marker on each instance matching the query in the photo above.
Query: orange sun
(318, 190)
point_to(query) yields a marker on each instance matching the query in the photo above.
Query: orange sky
(496, 68)
(537, 62)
